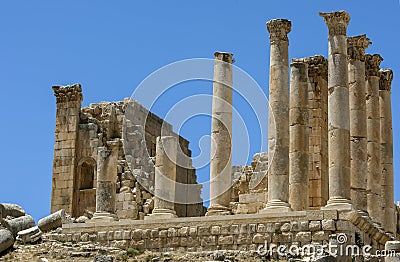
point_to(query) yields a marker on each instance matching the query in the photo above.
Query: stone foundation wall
(236, 232)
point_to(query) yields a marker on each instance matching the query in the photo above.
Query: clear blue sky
(111, 46)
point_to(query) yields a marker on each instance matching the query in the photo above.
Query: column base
(103, 216)
(276, 206)
(218, 210)
(338, 204)
(161, 213)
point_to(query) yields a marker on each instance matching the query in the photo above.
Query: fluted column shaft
(165, 178)
(338, 112)
(298, 130)
(278, 118)
(221, 136)
(389, 211)
(374, 182)
(356, 46)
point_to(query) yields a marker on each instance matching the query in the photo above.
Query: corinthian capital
(317, 65)
(337, 22)
(356, 46)
(386, 77)
(68, 93)
(278, 30)
(372, 63)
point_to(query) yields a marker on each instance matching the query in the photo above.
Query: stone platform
(235, 232)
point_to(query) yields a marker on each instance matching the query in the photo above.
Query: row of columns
(359, 133)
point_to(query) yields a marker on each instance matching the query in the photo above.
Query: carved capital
(356, 46)
(372, 63)
(68, 93)
(317, 65)
(224, 56)
(386, 77)
(337, 22)
(278, 30)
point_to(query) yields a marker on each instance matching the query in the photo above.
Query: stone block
(328, 225)
(234, 229)
(225, 240)
(126, 235)
(320, 236)
(154, 233)
(215, 230)
(284, 237)
(172, 232)
(259, 238)
(110, 235)
(193, 231)
(303, 226)
(183, 231)
(261, 228)
(137, 234)
(203, 231)
(243, 229)
(118, 235)
(285, 227)
(314, 225)
(244, 239)
(225, 230)
(208, 240)
(252, 228)
(302, 237)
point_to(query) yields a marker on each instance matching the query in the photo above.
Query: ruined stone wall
(79, 132)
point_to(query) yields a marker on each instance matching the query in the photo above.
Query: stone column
(221, 136)
(298, 129)
(374, 201)
(338, 112)
(278, 119)
(385, 105)
(356, 46)
(107, 172)
(165, 178)
(69, 100)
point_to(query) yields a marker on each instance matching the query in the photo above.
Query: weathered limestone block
(52, 221)
(221, 136)
(103, 258)
(30, 235)
(278, 118)
(338, 112)
(6, 240)
(18, 224)
(12, 210)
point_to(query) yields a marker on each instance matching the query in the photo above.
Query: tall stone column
(385, 105)
(69, 100)
(298, 129)
(356, 46)
(278, 119)
(165, 178)
(221, 136)
(338, 112)
(107, 173)
(374, 182)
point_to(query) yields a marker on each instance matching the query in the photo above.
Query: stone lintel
(278, 29)
(68, 93)
(385, 81)
(337, 22)
(372, 64)
(356, 46)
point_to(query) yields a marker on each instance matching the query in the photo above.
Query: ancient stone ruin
(328, 172)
